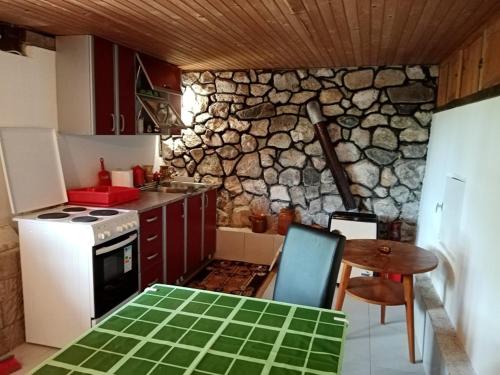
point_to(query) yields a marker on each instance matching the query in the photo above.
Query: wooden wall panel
(491, 56)
(472, 54)
(454, 76)
(443, 83)
(238, 34)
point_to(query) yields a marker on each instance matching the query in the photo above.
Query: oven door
(115, 266)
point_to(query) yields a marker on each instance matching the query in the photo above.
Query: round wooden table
(403, 258)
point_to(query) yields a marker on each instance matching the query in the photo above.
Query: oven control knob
(119, 228)
(101, 236)
(107, 233)
(134, 224)
(130, 225)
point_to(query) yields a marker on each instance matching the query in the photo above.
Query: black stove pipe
(320, 127)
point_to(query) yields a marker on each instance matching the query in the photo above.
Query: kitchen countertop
(154, 199)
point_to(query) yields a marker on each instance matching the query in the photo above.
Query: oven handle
(108, 249)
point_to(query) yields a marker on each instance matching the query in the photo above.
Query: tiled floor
(371, 349)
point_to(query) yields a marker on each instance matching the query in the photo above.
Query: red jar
(138, 175)
(285, 219)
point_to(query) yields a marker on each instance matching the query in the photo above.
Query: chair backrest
(309, 266)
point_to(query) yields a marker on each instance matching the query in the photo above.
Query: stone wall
(250, 132)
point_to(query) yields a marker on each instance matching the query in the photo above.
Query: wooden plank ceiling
(237, 34)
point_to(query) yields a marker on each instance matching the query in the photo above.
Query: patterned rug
(231, 277)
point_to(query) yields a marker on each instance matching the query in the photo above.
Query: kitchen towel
(122, 178)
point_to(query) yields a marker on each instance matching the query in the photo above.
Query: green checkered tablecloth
(174, 330)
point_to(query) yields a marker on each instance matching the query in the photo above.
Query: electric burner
(74, 209)
(103, 212)
(84, 219)
(53, 215)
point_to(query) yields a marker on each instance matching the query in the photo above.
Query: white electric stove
(78, 263)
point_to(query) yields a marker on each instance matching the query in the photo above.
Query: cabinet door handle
(152, 238)
(114, 124)
(151, 219)
(122, 118)
(151, 257)
(153, 282)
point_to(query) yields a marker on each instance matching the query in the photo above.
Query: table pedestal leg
(408, 292)
(346, 273)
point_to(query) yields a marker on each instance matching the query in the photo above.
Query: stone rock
(360, 137)
(347, 152)
(225, 75)
(321, 72)
(345, 103)
(227, 152)
(258, 89)
(434, 71)
(241, 217)
(302, 97)
(289, 177)
(280, 140)
(361, 191)
(287, 109)
(228, 166)
(231, 98)
(223, 218)
(264, 77)
(260, 204)
(389, 77)
(286, 81)
(267, 156)
(388, 109)
(364, 172)
(297, 196)
(197, 154)
(243, 89)
(280, 193)
(330, 96)
(381, 157)
(203, 89)
(249, 166)
(259, 128)
(423, 117)
(414, 134)
(415, 72)
(292, 158)
(318, 163)
(207, 77)
(346, 133)
(219, 110)
(279, 97)
(311, 192)
(233, 185)
(365, 98)
(253, 101)
(315, 206)
(359, 79)
(332, 203)
(410, 172)
(167, 149)
(406, 109)
(248, 143)
(304, 131)
(335, 132)
(270, 176)
(225, 86)
(332, 110)
(354, 112)
(191, 167)
(374, 119)
(190, 138)
(310, 83)
(387, 178)
(409, 212)
(311, 176)
(179, 163)
(403, 122)
(231, 137)
(412, 93)
(217, 124)
(257, 187)
(400, 193)
(282, 123)
(385, 209)
(189, 78)
(414, 151)
(238, 125)
(384, 137)
(210, 165)
(381, 192)
(243, 199)
(314, 149)
(328, 189)
(202, 117)
(241, 77)
(302, 73)
(427, 107)
(326, 177)
(257, 112)
(348, 121)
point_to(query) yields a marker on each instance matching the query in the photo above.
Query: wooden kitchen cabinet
(194, 233)
(103, 61)
(151, 247)
(210, 224)
(126, 91)
(472, 54)
(175, 240)
(490, 74)
(161, 74)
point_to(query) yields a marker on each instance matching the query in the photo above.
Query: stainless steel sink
(180, 187)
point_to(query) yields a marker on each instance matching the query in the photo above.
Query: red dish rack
(102, 196)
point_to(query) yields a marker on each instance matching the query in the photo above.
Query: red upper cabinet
(126, 91)
(105, 120)
(162, 74)
(194, 227)
(210, 225)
